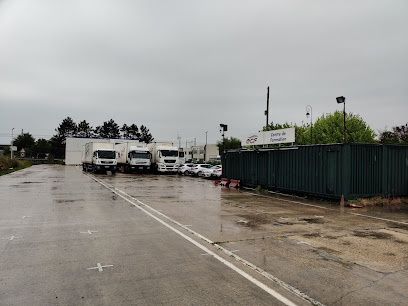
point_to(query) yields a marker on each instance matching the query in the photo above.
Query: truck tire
(113, 172)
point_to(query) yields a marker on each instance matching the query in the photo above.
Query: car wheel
(200, 173)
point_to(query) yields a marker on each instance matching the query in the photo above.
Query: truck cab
(104, 160)
(138, 159)
(167, 159)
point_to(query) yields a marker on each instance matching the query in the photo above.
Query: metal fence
(352, 170)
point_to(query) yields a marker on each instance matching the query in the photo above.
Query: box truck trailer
(133, 157)
(164, 157)
(99, 157)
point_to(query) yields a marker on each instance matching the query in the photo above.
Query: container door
(331, 172)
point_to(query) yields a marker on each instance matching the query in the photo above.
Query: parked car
(198, 169)
(207, 173)
(184, 169)
(217, 172)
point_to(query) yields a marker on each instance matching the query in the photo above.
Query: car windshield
(107, 154)
(170, 153)
(143, 155)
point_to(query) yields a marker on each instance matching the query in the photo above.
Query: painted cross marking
(11, 238)
(99, 267)
(89, 232)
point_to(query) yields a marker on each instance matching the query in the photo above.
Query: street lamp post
(309, 113)
(12, 143)
(343, 100)
(223, 129)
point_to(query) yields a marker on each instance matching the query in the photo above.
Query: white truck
(133, 157)
(99, 157)
(164, 157)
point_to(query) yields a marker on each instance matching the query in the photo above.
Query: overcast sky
(184, 67)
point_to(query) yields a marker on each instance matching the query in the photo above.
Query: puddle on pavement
(66, 201)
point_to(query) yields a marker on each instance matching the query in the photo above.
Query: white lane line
(89, 232)
(244, 274)
(11, 238)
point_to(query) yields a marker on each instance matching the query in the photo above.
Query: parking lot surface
(69, 237)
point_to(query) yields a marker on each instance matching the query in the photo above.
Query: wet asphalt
(67, 240)
(149, 236)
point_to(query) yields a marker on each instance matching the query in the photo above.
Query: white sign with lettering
(269, 137)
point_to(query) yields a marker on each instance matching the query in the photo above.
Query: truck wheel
(83, 168)
(94, 169)
(113, 172)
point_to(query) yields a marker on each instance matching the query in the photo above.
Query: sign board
(22, 154)
(269, 137)
(13, 148)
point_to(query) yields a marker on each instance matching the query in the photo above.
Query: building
(201, 153)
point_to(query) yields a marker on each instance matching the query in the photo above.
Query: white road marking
(209, 252)
(89, 232)
(11, 238)
(100, 267)
(26, 217)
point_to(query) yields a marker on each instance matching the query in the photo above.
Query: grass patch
(8, 165)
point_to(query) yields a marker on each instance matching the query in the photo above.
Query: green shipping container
(352, 170)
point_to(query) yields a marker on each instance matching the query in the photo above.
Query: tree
(67, 128)
(84, 129)
(57, 146)
(145, 135)
(228, 144)
(24, 141)
(398, 135)
(330, 128)
(109, 129)
(134, 132)
(41, 146)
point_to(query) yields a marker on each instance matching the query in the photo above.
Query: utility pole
(205, 148)
(179, 139)
(267, 108)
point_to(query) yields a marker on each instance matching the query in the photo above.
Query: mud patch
(253, 220)
(374, 235)
(315, 220)
(396, 225)
(311, 235)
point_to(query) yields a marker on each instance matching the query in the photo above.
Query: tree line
(68, 128)
(329, 128)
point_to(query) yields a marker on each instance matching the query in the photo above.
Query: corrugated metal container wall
(396, 170)
(352, 170)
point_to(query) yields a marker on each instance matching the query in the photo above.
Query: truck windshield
(167, 153)
(143, 155)
(107, 154)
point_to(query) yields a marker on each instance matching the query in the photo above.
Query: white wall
(75, 147)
